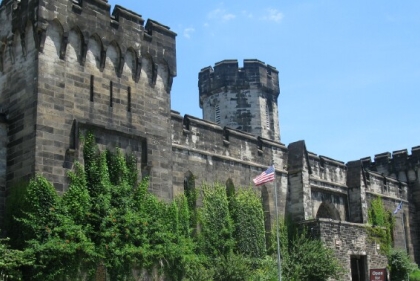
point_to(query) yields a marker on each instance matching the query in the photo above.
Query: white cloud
(273, 15)
(188, 31)
(227, 17)
(247, 14)
(221, 14)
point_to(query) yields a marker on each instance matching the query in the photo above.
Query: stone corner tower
(242, 98)
(74, 66)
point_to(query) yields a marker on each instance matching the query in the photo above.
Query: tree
(11, 261)
(304, 257)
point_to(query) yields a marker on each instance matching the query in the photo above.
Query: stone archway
(328, 211)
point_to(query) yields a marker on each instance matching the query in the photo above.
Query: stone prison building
(71, 66)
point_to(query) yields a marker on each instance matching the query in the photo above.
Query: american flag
(266, 176)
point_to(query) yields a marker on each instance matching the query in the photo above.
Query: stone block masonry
(241, 98)
(68, 67)
(348, 240)
(214, 154)
(110, 72)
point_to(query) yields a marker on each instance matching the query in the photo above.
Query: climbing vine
(216, 223)
(108, 220)
(249, 224)
(381, 224)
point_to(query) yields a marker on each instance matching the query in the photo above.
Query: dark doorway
(358, 268)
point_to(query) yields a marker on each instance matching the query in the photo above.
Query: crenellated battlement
(380, 184)
(227, 74)
(67, 62)
(327, 169)
(398, 165)
(244, 98)
(83, 21)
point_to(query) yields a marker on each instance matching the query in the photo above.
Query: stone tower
(72, 66)
(241, 98)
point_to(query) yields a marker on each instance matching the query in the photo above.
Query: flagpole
(405, 235)
(277, 226)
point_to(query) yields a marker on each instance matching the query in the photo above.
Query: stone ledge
(253, 164)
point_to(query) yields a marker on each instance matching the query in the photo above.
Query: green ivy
(381, 225)
(415, 275)
(108, 217)
(216, 224)
(304, 257)
(248, 216)
(400, 265)
(11, 261)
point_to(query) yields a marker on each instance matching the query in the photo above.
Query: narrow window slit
(92, 87)
(129, 99)
(217, 114)
(267, 117)
(110, 93)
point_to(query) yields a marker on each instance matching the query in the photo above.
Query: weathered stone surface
(110, 73)
(347, 240)
(69, 67)
(241, 98)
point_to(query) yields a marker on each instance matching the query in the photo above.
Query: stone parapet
(227, 74)
(201, 135)
(397, 164)
(93, 18)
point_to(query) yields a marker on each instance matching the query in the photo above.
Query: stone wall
(215, 154)
(347, 240)
(241, 98)
(317, 185)
(299, 195)
(107, 71)
(18, 94)
(398, 173)
(328, 187)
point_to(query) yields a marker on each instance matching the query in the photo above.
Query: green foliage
(249, 224)
(265, 269)
(11, 261)
(105, 217)
(415, 275)
(400, 265)
(16, 205)
(215, 222)
(382, 222)
(191, 194)
(108, 217)
(382, 225)
(303, 257)
(198, 269)
(231, 267)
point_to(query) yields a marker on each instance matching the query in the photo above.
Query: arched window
(189, 190)
(327, 211)
(230, 188)
(189, 184)
(230, 193)
(191, 195)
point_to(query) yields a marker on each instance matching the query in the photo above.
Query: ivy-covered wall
(348, 239)
(213, 154)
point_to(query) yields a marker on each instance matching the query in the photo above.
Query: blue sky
(349, 70)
